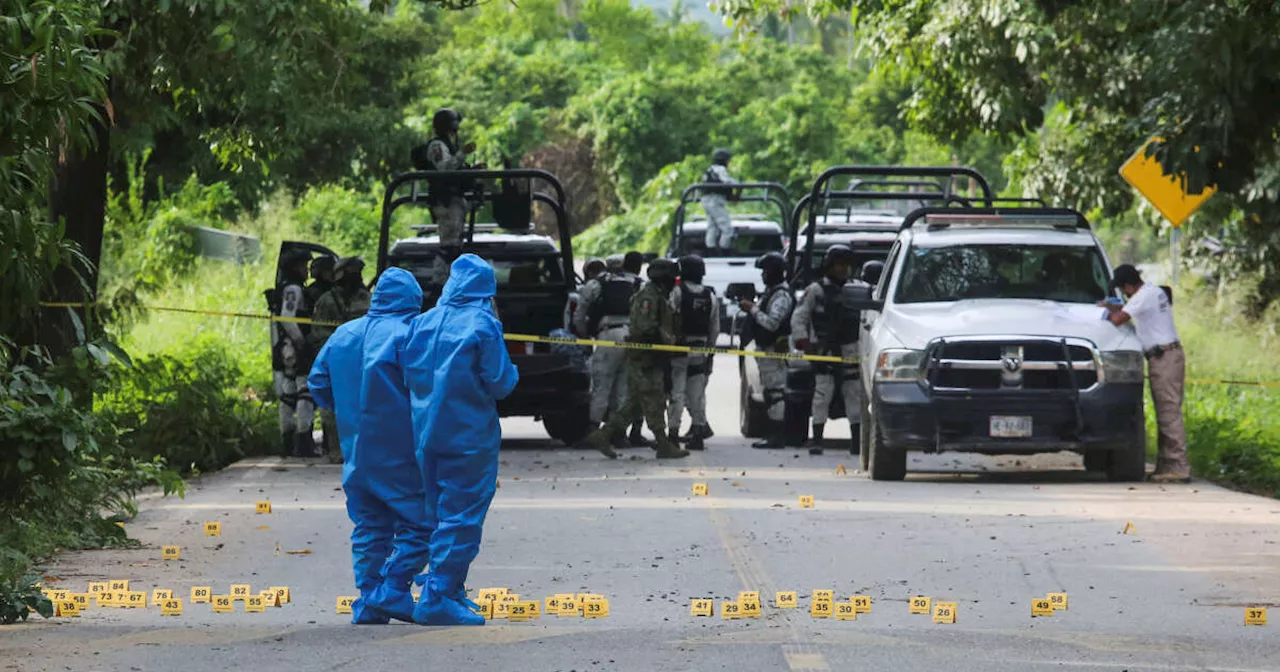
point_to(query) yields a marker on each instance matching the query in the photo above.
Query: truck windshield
(1073, 274)
(744, 244)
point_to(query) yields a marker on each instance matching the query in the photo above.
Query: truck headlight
(899, 365)
(1122, 367)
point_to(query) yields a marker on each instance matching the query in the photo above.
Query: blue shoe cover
(436, 609)
(391, 602)
(363, 613)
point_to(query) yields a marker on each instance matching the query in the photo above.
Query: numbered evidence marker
(159, 595)
(262, 507)
(485, 609)
(749, 602)
(519, 612)
(806, 501)
(282, 594)
(1041, 607)
(212, 529)
(240, 591)
(118, 585)
(502, 605)
(255, 604)
(702, 607)
(66, 608)
(171, 607)
(861, 604)
(81, 600)
(568, 606)
(944, 612)
(98, 587)
(700, 489)
(344, 604)
(269, 597)
(595, 607)
(135, 599)
(581, 599)
(730, 609)
(785, 599)
(1255, 616)
(845, 611)
(223, 604)
(1058, 601)
(821, 604)
(171, 552)
(920, 604)
(106, 598)
(201, 594)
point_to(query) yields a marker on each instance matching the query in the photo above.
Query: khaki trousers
(1168, 377)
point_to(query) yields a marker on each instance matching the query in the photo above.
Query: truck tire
(884, 463)
(864, 431)
(753, 417)
(1096, 460)
(569, 428)
(1128, 463)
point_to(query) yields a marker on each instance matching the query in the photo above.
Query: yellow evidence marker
(828, 595)
(944, 612)
(1041, 607)
(841, 471)
(700, 489)
(135, 599)
(806, 501)
(702, 607)
(920, 604)
(66, 608)
(282, 594)
(1058, 601)
(485, 609)
(262, 507)
(118, 585)
(212, 529)
(344, 604)
(861, 604)
(201, 594)
(750, 608)
(106, 598)
(99, 587)
(749, 595)
(223, 604)
(240, 591)
(520, 612)
(595, 607)
(785, 599)
(57, 595)
(255, 604)
(269, 598)
(568, 606)
(845, 611)
(171, 553)
(730, 609)
(171, 607)
(1255, 616)
(159, 594)
(820, 608)
(82, 600)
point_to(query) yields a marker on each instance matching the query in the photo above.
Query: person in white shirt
(1152, 313)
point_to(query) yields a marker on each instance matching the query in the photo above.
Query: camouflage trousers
(646, 394)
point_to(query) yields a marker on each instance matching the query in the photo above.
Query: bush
(342, 219)
(189, 408)
(19, 596)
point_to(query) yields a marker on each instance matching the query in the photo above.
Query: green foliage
(188, 407)
(20, 595)
(343, 219)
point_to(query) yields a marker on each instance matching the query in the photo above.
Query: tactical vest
(695, 312)
(834, 325)
(276, 305)
(615, 300)
(709, 176)
(765, 338)
(440, 192)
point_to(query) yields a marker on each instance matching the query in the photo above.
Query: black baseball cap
(1125, 274)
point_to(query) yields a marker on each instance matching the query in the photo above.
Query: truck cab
(535, 276)
(983, 335)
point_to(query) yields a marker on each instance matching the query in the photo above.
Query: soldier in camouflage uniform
(348, 300)
(652, 321)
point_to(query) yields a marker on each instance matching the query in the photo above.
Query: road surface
(990, 534)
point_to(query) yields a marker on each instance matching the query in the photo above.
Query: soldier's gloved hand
(469, 148)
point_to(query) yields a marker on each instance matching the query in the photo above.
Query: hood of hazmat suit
(357, 375)
(456, 367)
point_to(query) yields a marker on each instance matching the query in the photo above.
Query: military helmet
(613, 263)
(692, 268)
(348, 265)
(721, 157)
(446, 121)
(662, 270)
(772, 261)
(294, 256)
(595, 264)
(837, 253)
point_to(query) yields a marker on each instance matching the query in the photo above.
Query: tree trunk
(78, 196)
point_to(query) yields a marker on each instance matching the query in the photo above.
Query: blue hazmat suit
(456, 367)
(357, 376)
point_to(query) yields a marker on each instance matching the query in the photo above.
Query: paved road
(990, 534)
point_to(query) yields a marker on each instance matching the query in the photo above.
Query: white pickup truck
(983, 335)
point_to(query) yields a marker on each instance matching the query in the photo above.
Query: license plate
(1010, 426)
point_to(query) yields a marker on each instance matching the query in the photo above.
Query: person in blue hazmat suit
(456, 367)
(357, 376)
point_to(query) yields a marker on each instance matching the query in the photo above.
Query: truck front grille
(1011, 364)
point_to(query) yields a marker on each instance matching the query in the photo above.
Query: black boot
(705, 431)
(286, 443)
(776, 438)
(674, 436)
(693, 432)
(855, 444)
(815, 443)
(636, 438)
(304, 445)
(696, 443)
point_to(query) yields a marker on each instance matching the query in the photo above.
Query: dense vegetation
(135, 119)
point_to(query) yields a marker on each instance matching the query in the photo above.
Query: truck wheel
(884, 463)
(864, 432)
(569, 428)
(1128, 463)
(753, 417)
(1096, 460)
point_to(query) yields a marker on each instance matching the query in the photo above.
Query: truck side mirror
(857, 296)
(871, 272)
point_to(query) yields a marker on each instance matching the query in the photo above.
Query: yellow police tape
(677, 349)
